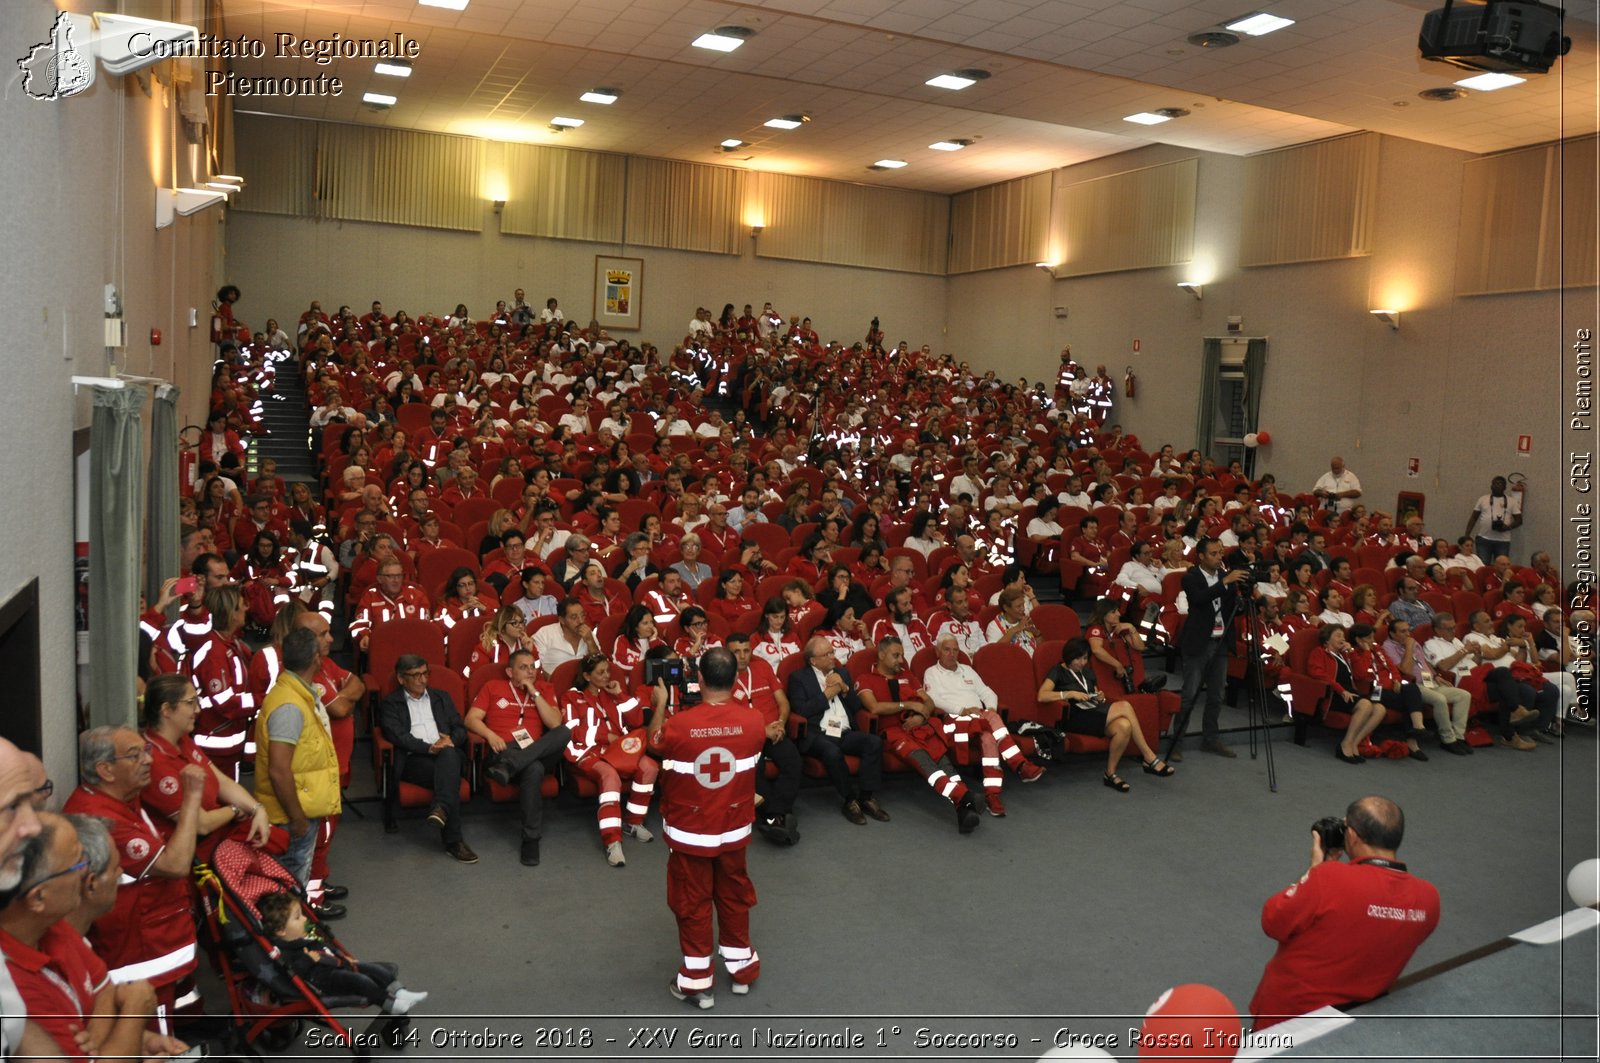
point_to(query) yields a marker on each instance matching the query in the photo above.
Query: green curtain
(116, 464)
(1255, 367)
(162, 504)
(1210, 362)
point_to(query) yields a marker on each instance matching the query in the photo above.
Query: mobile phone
(186, 585)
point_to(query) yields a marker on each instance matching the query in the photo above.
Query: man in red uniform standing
(708, 758)
(1345, 931)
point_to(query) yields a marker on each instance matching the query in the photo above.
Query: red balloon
(1263, 438)
(1191, 1021)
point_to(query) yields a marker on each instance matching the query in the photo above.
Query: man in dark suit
(823, 693)
(431, 738)
(1204, 643)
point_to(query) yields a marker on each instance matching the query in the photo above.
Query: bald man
(1338, 487)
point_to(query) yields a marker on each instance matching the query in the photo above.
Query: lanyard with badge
(520, 734)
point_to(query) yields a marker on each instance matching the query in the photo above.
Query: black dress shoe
(967, 818)
(334, 893)
(1153, 684)
(530, 852)
(463, 852)
(328, 911)
(499, 773)
(871, 807)
(852, 812)
(391, 827)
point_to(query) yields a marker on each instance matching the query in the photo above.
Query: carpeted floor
(1081, 902)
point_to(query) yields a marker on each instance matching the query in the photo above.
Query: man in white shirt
(967, 707)
(1493, 518)
(969, 481)
(1138, 573)
(1338, 487)
(551, 312)
(1074, 494)
(568, 639)
(700, 325)
(1450, 704)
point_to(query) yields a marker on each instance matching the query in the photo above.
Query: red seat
(393, 638)
(463, 639)
(436, 566)
(472, 510)
(1056, 621)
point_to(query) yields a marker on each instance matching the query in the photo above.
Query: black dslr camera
(1330, 830)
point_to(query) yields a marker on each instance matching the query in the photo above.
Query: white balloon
(1078, 1052)
(1251, 439)
(1583, 883)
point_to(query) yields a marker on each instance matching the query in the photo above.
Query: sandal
(1150, 767)
(1116, 783)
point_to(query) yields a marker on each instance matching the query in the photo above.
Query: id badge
(522, 737)
(833, 723)
(1429, 683)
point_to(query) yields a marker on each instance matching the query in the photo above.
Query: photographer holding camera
(1205, 641)
(1346, 930)
(1493, 518)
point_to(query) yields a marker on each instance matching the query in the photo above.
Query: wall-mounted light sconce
(1190, 287)
(1388, 317)
(499, 205)
(171, 202)
(757, 230)
(1048, 267)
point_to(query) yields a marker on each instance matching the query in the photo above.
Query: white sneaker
(638, 830)
(405, 1000)
(614, 855)
(741, 988)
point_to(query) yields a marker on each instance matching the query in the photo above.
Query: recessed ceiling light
(889, 164)
(379, 99)
(1490, 82)
(1148, 118)
(606, 96)
(723, 38)
(1258, 23)
(950, 145)
(788, 121)
(733, 142)
(453, 5)
(395, 68)
(566, 123)
(957, 79)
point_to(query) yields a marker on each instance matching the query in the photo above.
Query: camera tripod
(1254, 687)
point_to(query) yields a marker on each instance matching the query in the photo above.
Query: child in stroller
(325, 970)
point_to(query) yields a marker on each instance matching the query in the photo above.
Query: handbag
(1523, 672)
(623, 754)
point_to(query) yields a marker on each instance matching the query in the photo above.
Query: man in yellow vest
(297, 768)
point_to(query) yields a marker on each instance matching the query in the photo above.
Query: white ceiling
(1065, 72)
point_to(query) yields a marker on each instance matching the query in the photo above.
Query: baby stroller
(268, 1001)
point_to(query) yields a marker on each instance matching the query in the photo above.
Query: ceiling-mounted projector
(1504, 36)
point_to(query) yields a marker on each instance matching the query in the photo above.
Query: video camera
(1330, 831)
(673, 671)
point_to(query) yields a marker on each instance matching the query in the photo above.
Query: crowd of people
(533, 532)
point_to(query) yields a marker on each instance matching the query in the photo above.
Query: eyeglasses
(142, 753)
(80, 866)
(415, 673)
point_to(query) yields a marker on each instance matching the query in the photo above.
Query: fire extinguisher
(1130, 383)
(188, 459)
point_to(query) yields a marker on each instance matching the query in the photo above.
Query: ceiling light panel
(1258, 24)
